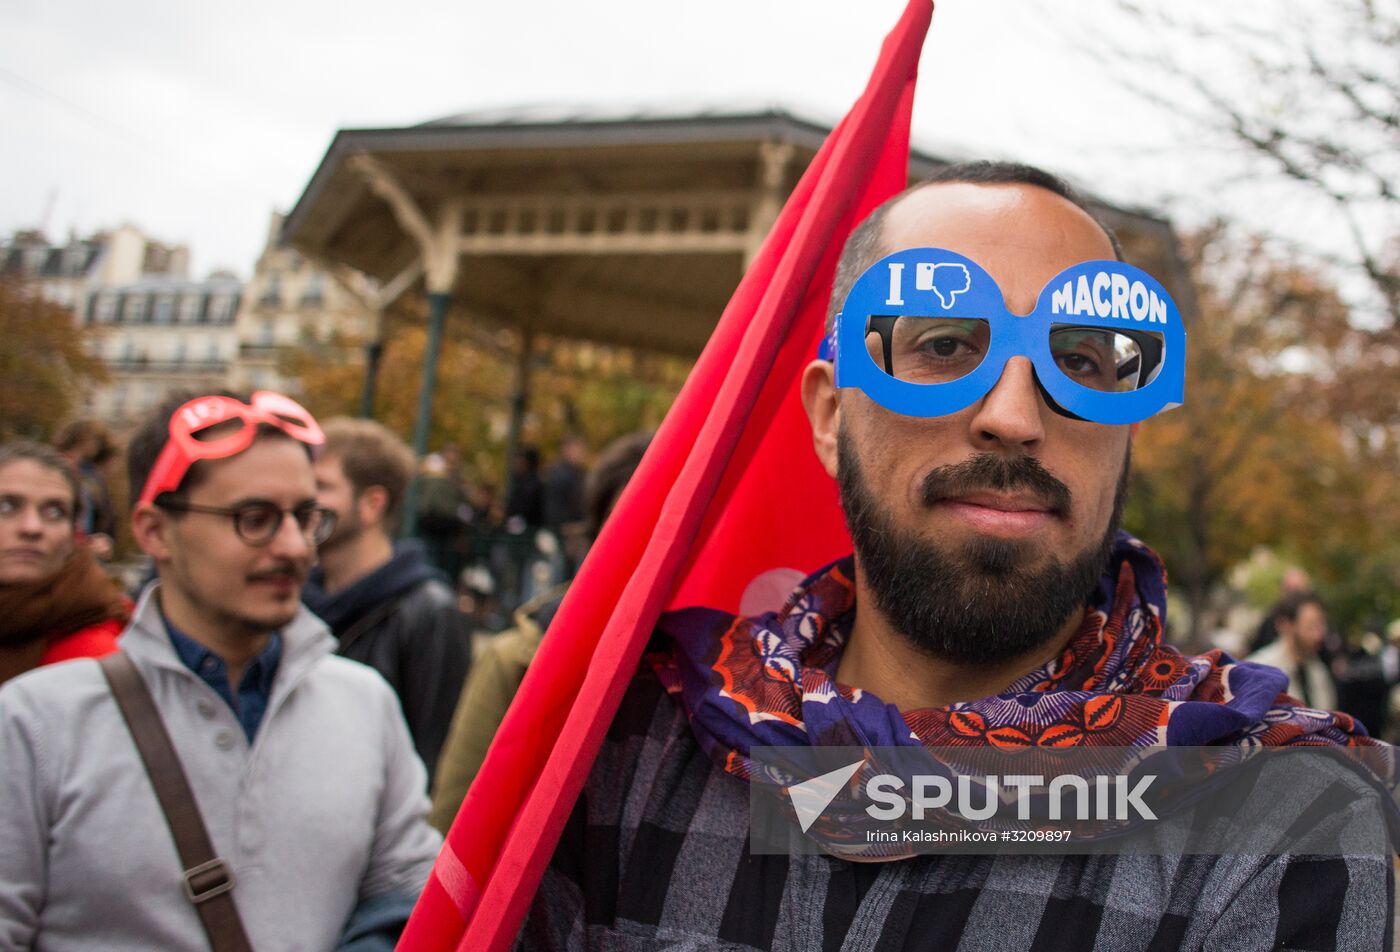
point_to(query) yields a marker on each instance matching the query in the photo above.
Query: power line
(132, 138)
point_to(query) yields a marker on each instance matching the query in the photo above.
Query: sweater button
(224, 740)
(250, 836)
(205, 709)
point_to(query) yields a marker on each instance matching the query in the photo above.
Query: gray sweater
(325, 809)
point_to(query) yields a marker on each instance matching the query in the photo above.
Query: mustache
(279, 572)
(986, 471)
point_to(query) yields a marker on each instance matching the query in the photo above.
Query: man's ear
(823, 406)
(372, 503)
(151, 528)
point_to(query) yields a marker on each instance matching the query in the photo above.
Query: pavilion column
(773, 161)
(519, 402)
(439, 245)
(438, 303)
(374, 354)
(441, 276)
(376, 299)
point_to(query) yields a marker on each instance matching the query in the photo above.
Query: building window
(164, 309)
(212, 354)
(106, 308)
(219, 310)
(189, 308)
(314, 293)
(272, 294)
(265, 330)
(134, 309)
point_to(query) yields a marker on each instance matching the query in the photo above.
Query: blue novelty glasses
(925, 332)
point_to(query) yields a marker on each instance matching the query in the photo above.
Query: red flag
(728, 504)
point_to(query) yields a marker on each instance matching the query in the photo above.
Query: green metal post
(374, 353)
(438, 303)
(519, 402)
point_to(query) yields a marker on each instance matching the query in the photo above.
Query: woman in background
(56, 603)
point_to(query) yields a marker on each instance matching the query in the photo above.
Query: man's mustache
(279, 572)
(986, 471)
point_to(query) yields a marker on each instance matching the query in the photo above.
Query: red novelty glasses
(191, 441)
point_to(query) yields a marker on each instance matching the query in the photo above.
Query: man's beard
(347, 530)
(976, 604)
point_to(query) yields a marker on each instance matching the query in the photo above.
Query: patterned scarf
(770, 681)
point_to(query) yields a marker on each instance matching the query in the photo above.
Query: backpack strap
(368, 622)
(208, 879)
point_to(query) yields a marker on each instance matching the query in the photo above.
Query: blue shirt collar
(254, 688)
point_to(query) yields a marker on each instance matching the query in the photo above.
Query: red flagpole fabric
(728, 507)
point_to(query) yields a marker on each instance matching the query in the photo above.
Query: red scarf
(34, 615)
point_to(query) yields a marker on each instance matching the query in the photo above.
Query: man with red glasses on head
(284, 806)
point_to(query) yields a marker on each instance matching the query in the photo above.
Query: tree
(46, 361)
(1308, 94)
(602, 392)
(1260, 453)
(1292, 113)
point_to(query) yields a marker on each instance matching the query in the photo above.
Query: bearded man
(991, 599)
(387, 606)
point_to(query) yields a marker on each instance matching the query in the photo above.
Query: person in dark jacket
(524, 501)
(87, 447)
(515, 546)
(386, 604)
(563, 505)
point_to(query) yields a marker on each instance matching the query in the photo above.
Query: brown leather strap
(208, 880)
(369, 622)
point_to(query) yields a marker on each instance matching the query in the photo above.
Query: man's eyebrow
(264, 501)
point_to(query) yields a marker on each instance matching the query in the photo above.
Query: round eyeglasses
(257, 523)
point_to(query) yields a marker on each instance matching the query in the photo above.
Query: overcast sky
(194, 121)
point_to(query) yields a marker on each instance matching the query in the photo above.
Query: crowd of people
(280, 724)
(504, 551)
(240, 633)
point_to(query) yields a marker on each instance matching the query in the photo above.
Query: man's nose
(291, 540)
(1010, 416)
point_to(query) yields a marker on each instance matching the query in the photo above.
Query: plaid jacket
(656, 856)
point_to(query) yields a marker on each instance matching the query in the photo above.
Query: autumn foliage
(1287, 439)
(573, 386)
(45, 363)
